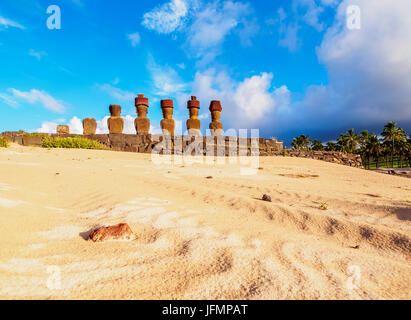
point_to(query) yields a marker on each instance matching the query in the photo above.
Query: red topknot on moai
(142, 123)
(167, 124)
(115, 122)
(216, 126)
(193, 124)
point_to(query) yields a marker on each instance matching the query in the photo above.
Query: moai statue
(167, 124)
(216, 126)
(63, 129)
(115, 122)
(89, 126)
(193, 124)
(142, 123)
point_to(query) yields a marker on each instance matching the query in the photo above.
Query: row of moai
(142, 122)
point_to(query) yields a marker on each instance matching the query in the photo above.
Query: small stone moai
(142, 123)
(63, 129)
(89, 126)
(216, 126)
(167, 124)
(115, 122)
(193, 124)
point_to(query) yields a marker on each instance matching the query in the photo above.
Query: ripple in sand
(9, 203)
(62, 232)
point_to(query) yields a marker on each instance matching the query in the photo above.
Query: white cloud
(76, 125)
(303, 12)
(203, 116)
(369, 73)
(167, 17)
(370, 69)
(134, 39)
(32, 97)
(251, 103)
(48, 127)
(205, 24)
(4, 22)
(181, 65)
(310, 12)
(116, 93)
(9, 100)
(213, 23)
(289, 37)
(37, 54)
(165, 79)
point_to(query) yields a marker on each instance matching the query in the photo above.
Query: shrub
(4, 143)
(72, 143)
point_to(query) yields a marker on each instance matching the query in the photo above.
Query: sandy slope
(198, 237)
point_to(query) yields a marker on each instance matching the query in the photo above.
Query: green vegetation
(322, 205)
(73, 143)
(301, 143)
(391, 149)
(4, 143)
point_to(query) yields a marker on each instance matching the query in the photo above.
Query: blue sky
(285, 67)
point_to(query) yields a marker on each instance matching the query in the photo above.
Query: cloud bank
(369, 73)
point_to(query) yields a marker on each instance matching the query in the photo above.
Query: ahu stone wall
(228, 146)
(145, 143)
(348, 159)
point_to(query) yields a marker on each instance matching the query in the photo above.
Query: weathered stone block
(32, 141)
(216, 126)
(193, 127)
(63, 129)
(89, 126)
(117, 141)
(115, 125)
(193, 124)
(168, 126)
(115, 122)
(142, 125)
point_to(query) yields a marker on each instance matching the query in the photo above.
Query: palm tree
(317, 145)
(392, 137)
(332, 146)
(364, 137)
(372, 148)
(409, 150)
(301, 143)
(353, 140)
(343, 143)
(402, 148)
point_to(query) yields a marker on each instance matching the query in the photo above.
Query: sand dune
(200, 238)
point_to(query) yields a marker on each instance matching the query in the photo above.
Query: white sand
(196, 237)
